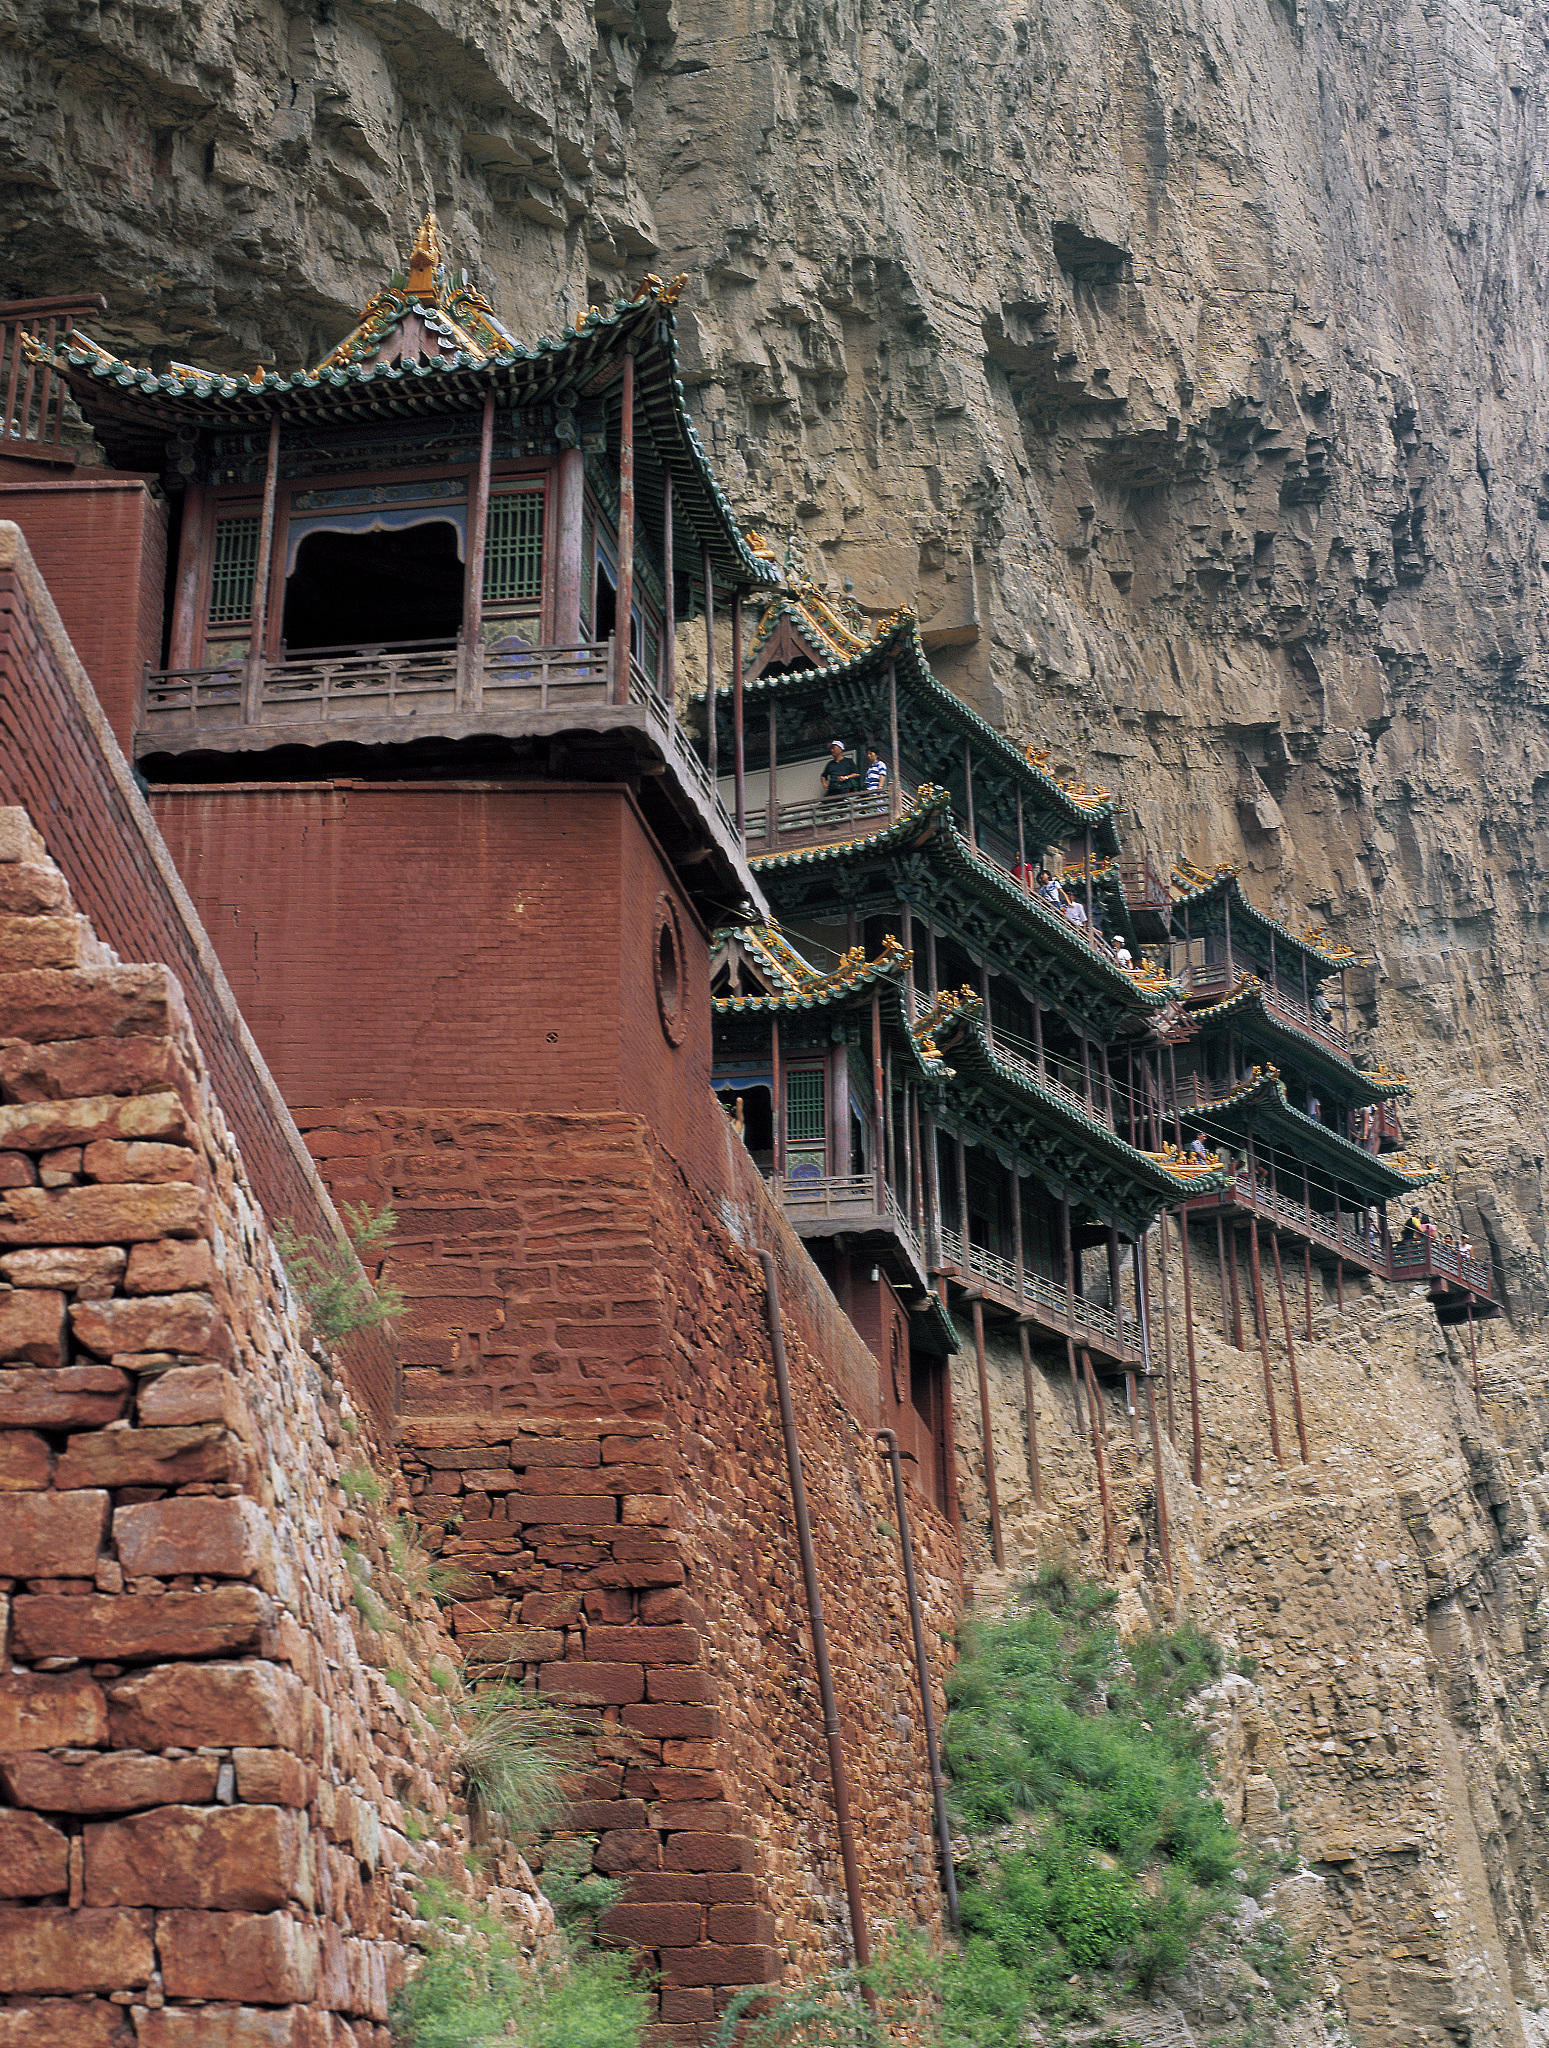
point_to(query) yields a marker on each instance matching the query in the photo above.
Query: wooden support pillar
(624, 609)
(1167, 1323)
(1339, 1263)
(1021, 841)
(894, 774)
(1132, 1404)
(1290, 1348)
(1031, 1408)
(984, 997)
(738, 749)
(1473, 1356)
(930, 957)
(776, 1089)
(839, 1111)
(1115, 1289)
(996, 1545)
(889, 1125)
(1164, 1535)
(1043, 1065)
(772, 811)
(1107, 1087)
(1129, 1088)
(1172, 1061)
(478, 532)
(1226, 907)
(1188, 1329)
(1099, 1452)
(907, 935)
(189, 586)
(961, 1157)
(1262, 1322)
(1307, 1281)
(712, 690)
(1231, 1242)
(968, 783)
(569, 568)
(258, 642)
(1086, 1062)
(667, 680)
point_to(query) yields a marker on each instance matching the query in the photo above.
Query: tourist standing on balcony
(1075, 913)
(876, 773)
(1121, 952)
(1199, 1150)
(1410, 1234)
(1315, 1109)
(841, 777)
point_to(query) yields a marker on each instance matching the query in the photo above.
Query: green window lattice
(804, 1106)
(231, 577)
(513, 550)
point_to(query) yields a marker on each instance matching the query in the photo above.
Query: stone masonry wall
(206, 1772)
(591, 1430)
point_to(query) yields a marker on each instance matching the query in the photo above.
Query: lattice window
(513, 549)
(804, 1106)
(235, 565)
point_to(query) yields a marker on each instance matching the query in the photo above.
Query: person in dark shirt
(841, 777)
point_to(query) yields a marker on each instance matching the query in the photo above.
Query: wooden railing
(33, 419)
(1209, 977)
(404, 684)
(817, 821)
(846, 1197)
(1144, 889)
(1038, 1294)
(1427, 1258)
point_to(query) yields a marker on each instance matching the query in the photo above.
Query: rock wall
(1183, 365)
(215, 1788)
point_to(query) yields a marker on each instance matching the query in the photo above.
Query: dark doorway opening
(359, 589)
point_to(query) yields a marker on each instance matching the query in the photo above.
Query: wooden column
(889, 1128)
(667, 682)
(712, 710)
(878, 1105)
(257, 645)
(776, 1090)
(569, 569)
(962, 1202)
(1016, 1228)
(1031, 1407)
(1226, 909)
(1163, 1533)
(1188, 1329)
(984, 996)
(1043, 1065)
(1086, 1063)
(1090, 927)
(1129, 1083)
(894, 773)
(906, 919)
(1021, 841)
(190, 579)
(478, 531)
(968, 784)
(739, 760)
(772, 813)
(1307, 1279)
(625, 599)
(1115, 1293)
(930, 1159)
(1290, 1348)
(930, 956)
(1339, 1263)
(1473, 1355)
(996, 1545)
(916, 1169)
(839, 1111)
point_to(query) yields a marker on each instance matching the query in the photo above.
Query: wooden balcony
(1344, 1240)
(1148, 900)
(555, 708)
(851, 1204)
(1457, 1284)
(32, 408)
(1210, 978)
(1112, 1340)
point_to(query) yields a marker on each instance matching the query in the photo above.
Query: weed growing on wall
(475, 1985)
(515, 1754)
(329, 1278)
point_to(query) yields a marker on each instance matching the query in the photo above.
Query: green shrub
(1122, 1852)
(474, 1985)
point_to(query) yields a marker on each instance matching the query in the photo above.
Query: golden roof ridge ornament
(426, 259)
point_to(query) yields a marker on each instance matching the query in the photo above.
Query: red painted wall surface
(58, 760)
(101, 544)
(453, 945)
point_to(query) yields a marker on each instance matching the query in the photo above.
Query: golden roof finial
(425, 258)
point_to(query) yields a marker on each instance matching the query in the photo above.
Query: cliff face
(1183, 365)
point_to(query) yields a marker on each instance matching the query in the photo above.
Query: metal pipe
(814, 1593)
(922, 1673)
(996, 1545)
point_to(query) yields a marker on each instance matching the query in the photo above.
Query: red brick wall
(460, 945)
(59, 759)
(591, 1429)
(101, 545)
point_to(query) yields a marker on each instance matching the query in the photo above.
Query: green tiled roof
(1250, 995)
(1196, 887)
(1266, 1091)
